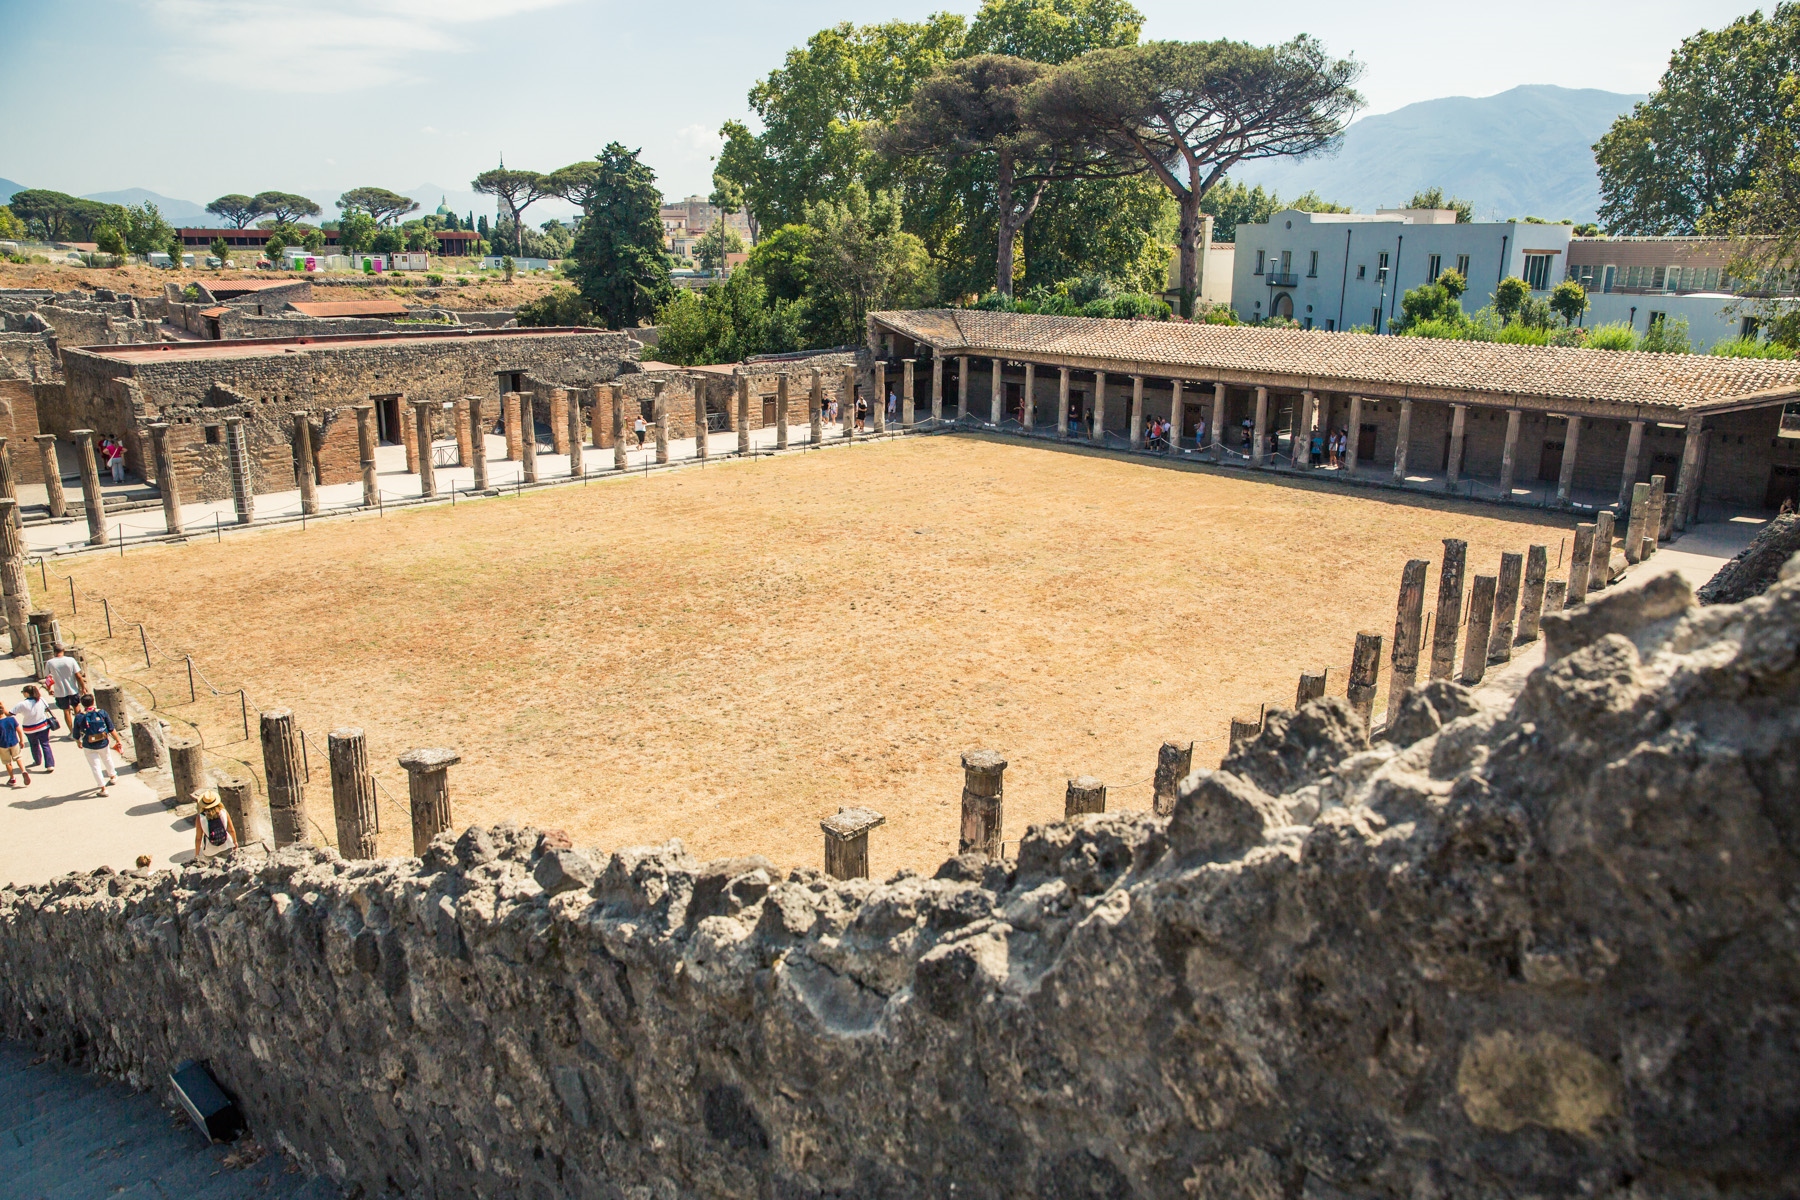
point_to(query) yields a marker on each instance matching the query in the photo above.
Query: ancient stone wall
(1538, 949)
(18, 425)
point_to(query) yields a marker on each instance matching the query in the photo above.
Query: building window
(1362, 270)
(1462, 265)
(1259, 263)
(1537, 271)
(1607, 279)
(1434, 266)
(1330, 325)
(1656, 319)
(1381, 261)
(212, 435)
(1312, 267)
(1287, 262)
(1375, 318)
(1674, 279)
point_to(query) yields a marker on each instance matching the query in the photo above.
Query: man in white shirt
(66, 683)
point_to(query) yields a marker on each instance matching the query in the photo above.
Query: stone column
(743, 414)
(1581, 561)
(781, 406)
(1506, 607)
(983, 803)
(962, 386)
(365, 449)
(166, 483)
(13, 581)
(303, 462)
(1259, 438)
(937, 388)
(1062, 402)
(1177, 417)
(559, 420)
(1085, 794)
(285, 774)
(1099, 434)
(660, 409)
(1303, 418)
(53, 488)
(1402, 440)
(1565, 478)
(1136, 429)
(1449, 608)
(478, 456)
(237, 452)
(1600, 568)
(1311, 687)
(1459, 415)
(428, 788)
(352, 792)
(1691, 512)
(187, 766)
(1509, 453)
(1634, 525)
(509, 418)
(1365, 675)
(617, 394)
(1655, 516)
(1531, 601)
(528, 448)
(847, 398)
(1687, 481)
(907, 405)
(1409, 620)
(815, 405)
(1218, 422)
(109, 697)
(1244, 730)
(700, 438)
(1173, 762)
(149, 742)
(91, 500)
(239, 798)
(1634, 448)
(576, 431)
(1028, 401)
(847, 842)
(422, 433)
(878, 402)
(1481, 629)
(996, 390)
(1556, 595)
(468, 431)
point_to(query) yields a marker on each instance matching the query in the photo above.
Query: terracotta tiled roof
(1384, 365)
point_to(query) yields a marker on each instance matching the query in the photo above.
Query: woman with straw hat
(213, 833)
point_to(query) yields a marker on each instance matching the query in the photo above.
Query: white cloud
(699, 141)
(324, 46)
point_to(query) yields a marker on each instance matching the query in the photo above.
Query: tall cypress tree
(620, 264)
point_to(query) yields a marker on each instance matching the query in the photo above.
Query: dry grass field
(727, 655)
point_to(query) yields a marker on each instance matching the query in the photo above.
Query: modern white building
(1639, 281)
(1339, 271)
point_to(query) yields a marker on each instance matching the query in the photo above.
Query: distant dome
(443, 210)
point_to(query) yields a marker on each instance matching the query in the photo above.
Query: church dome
(443, 209)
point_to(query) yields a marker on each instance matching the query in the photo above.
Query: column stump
(983, 803)
(1085, 794)
(428, 789)
(847, 842)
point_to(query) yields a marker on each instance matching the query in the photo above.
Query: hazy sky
(193, 98)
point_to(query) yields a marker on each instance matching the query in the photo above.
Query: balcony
(1283, 279)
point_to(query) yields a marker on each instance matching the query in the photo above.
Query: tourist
(213, 834)
(640, 429)
(1317, 445)
(1200, 434)
(10, 740)
(893, 406)
(94, 730)
(862, 413)
(114, 450)
(64, 677)
(143, 862)
(34, 722)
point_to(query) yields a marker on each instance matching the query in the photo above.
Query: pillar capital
(44, 439)
(82, 435)
(430, 760)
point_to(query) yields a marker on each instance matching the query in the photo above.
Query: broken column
(509, 418)
(847, 842)
(528, 451)
(187, 765)
(1449, 608)
(352, 792)
(1581, 561)
(109, 698)
(1531, 601)
(427, 472)
(14, 583)
(1085, 794)
(237, 454)
(1634, 524)
(1173, 762)
(428, 789)
(365, 453)
(1556, 595)
(149, 742)
(743, 414)
(1600, 566)
(91, 499)
(983, 803)
(1311, 687)
(166, 483)
(303, 462)
(1481, 628)
(700, 439)
(1506, 608)
(1656, 519)
(781, 411)
(1244, 730)
(478, 457)
(616, 394)
(238, 795)
(1365, 675)
(1409, 619)
(284, 772)
(53, 488)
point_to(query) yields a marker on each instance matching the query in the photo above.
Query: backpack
(215, 828)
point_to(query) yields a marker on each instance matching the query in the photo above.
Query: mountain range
(1524, 152)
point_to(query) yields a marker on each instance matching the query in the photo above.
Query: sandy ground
(729, 654)
(483, 291)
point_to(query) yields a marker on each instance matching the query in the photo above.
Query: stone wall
(18, 425)
(1537, 948)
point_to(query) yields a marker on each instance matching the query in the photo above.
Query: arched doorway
(1283, 306)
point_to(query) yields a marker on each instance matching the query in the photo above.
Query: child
(10, 739)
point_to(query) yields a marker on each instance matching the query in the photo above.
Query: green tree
(355, 231)
(1052, 31)
(1452, 282)
(284, 208)
(11, 228)
(240, 210)
(619, 261)
(1697, 139)
(1194, 110)
(713, 245)
(1432, 302)
(387, 241)
(108, 240)
(1433, 197)
(783, 262)
(1123, 230)
(516, 190)
(507, 267)
(560, 307)
(57, 216)
(1766, 217)
(385, 206)
(727, 322)
(220, 250)
(177, 251)
(861, 261)
(1232, 204)
(312, 239)
(1568, 300)
(144, 228)
(1510, 297)
(1667, 337)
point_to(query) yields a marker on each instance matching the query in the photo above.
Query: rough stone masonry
(1539, 949)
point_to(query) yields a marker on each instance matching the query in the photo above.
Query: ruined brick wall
(1517, 948)
(18, 425)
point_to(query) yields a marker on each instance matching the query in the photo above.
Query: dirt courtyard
(728, 654)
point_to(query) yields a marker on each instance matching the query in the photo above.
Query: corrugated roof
(349, 308)
(1386, 365)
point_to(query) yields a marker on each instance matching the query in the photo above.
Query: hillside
(1524, 152)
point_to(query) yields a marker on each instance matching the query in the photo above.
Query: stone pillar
(1218, 421)
(166, 483)
(1481, 629)
(149, 743)
(1062, 402)
(1565, 479)
(285, 774)
(303, 462)
(847, 398)
(528, 446)
(422, 427)
(1449, 608)
(1259, 438)
(1365, 675)
(1085, 794)
(659, 408)
(1303, 419)
(509, 418)
(1634, 525)
(91, 500)
(239, 798)
(937, 388)
(1177, 415)
(1656, 516)
(1244, 730)
(187, 766)
(996, 390)
(1028, 401)
(1556, 595)
(1687, 481)
(53, 488)
(1099, 434)
(1352, 436)
(815, 405)
(109, 698)
(478, 455)
(352, 792)
(878, 402)
(428, 788)
(1136, 428)
(847, 842)
(617, 393)
(1459, 415)
(1506, 607)
(1634, 449)
(700, 438)
(1600, 568)
(1310, 687)
(559, 420)
(1531, 601)
(1691, 512)
(237, 452)
(908, 406)
(983, 803)
(781, 406)
(1173, 762)
(13, 579)
(1402, 440)
(1509, 453)
(1581, 561)
(962, 386)
(468, 430)
(743, 414)
(365, 449)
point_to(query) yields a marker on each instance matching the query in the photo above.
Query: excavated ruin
(1539, 948)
